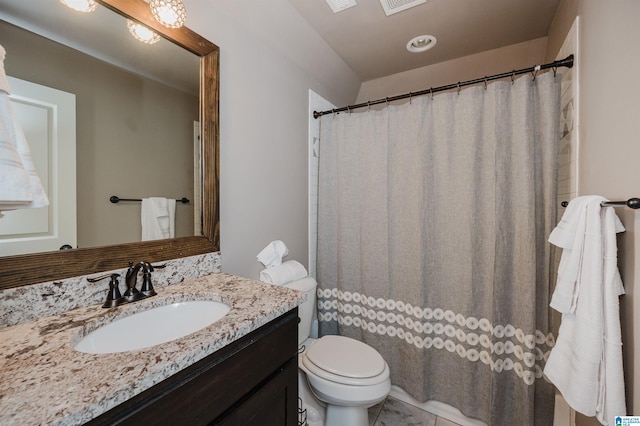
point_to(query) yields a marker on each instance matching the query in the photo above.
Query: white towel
(586, 362)
(290, 270)
(158, 218)
(20, 186)
(273, 253)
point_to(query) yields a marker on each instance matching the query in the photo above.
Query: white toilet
(345, 375)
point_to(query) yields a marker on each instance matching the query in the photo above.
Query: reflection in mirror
(135, 133)
(33, 268)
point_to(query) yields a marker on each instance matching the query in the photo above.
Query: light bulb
(170, 13)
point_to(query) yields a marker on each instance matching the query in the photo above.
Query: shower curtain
(433, 220)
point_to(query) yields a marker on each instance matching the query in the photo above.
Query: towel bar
(115, 199)
(632, 203)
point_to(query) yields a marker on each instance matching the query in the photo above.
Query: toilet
(339, 377)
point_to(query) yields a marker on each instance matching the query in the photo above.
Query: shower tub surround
(29, 303)
(43, 380)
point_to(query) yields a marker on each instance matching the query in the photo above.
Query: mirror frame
(21, 270)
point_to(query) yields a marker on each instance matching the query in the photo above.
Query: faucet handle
(147, 285)
(114, 298)
(152, 267)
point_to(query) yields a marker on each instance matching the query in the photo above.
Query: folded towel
(158, 218)
(290, 270)
(272, 254)
(20, 186)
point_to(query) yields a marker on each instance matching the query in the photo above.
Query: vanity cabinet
(252, 381)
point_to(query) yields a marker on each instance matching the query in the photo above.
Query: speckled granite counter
(43, 380)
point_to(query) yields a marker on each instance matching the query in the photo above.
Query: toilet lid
(346, 357)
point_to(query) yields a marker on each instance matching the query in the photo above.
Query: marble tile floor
(393, 412)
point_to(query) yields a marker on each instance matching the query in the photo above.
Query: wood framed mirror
(20, 270)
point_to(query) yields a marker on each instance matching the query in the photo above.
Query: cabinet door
(273, 403)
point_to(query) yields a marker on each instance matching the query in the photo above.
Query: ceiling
(374, 45)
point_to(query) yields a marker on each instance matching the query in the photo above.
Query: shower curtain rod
(566, 62)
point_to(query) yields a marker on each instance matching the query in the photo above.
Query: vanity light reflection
(142, 33)
(81, 5)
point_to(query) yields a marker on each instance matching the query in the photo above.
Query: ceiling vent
(394, 6)
(340, 5)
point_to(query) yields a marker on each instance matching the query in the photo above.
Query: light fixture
(142, 33)
(394, 6)
(340, 5)
(421, 43)
(81, 5)
(170, 13)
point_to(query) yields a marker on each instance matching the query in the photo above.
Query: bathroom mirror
(38, 267)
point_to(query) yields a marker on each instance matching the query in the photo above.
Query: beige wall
(134, 135)
(609, 148)
(517, 56)
(270, 58)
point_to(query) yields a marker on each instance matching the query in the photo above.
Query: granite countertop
(43, 380)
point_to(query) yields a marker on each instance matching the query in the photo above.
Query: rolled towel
(288, 271)
(272, 254)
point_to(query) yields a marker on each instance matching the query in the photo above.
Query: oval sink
(152, 327)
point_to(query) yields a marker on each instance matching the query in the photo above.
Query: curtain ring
(431, 91)
(513, 76)
(485, 82)
(387, 100)
(334, 112)
(555, 71)
(410, 98)
(368, 105)
(349, 109)
(458, 88)
(535, 72)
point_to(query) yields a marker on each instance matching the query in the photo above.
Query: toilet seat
(344, 360)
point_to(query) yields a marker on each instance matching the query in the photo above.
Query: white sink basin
(152, 327)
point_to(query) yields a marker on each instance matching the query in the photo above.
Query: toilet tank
(305, 310)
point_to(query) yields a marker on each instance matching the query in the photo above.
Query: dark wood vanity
(252, 381)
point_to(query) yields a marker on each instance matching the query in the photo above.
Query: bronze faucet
(132, 293)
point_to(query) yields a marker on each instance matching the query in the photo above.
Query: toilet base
(314, 411)
(338, 415)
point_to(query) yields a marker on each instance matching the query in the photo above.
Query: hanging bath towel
(158, 218)
(20, 186)
(586, 362)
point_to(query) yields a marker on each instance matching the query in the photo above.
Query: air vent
(394, 6)
(340, 5)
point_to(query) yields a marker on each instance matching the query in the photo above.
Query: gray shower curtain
(433, 221)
